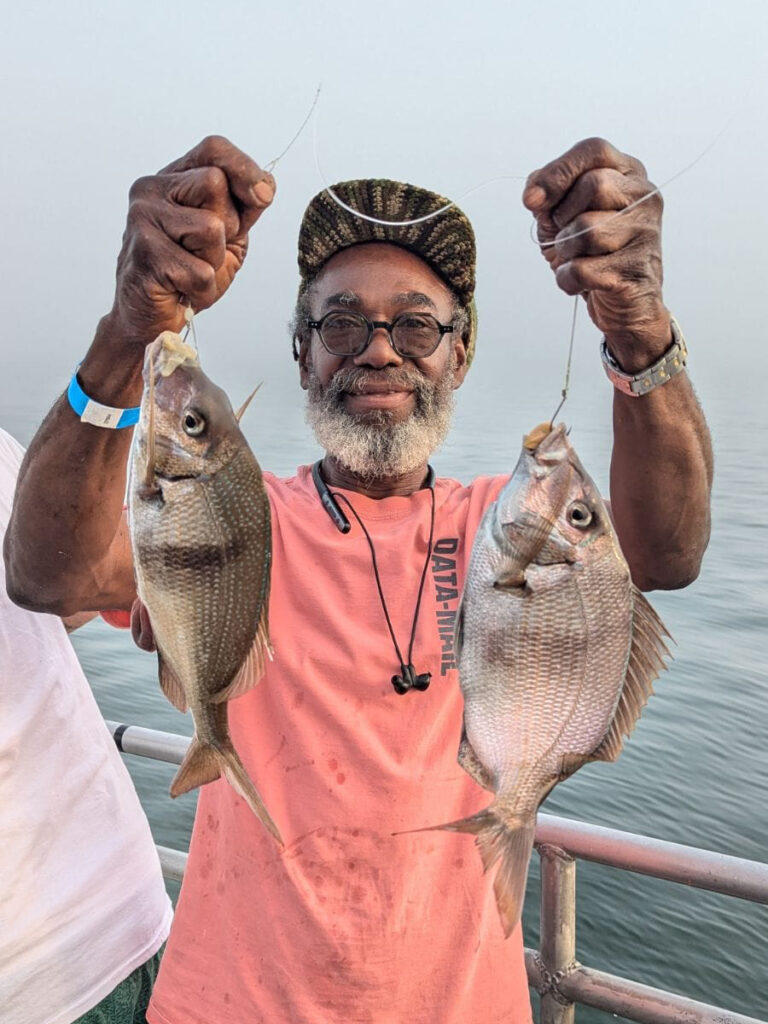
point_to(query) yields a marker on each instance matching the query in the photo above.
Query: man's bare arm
(67, 548)
(661, 478)
(661, 467)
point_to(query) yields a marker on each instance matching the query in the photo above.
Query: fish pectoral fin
(510, 842)
(252, 669)
(170, 684)
(471, 763)
(646, 661)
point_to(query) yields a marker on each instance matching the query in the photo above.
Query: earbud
(409, 680)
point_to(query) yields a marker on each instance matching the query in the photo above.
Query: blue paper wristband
(99, 415)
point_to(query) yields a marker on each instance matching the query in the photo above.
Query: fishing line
(542, 245)
(490, 181)
(273, 163)
(567, 382)
(637, 202)
(400, 223)
(189, 317)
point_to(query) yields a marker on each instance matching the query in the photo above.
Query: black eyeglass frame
(374, 325)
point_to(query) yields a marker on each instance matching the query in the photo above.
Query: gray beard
(372, 446)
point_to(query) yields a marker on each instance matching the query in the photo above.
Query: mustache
(354, 381)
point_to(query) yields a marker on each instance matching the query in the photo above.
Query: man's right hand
(67, 547)
(186, 237)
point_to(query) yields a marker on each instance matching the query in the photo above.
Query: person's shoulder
(465, 504)
(285, 486)
(11, 452)
(291, 492)
(482, 490)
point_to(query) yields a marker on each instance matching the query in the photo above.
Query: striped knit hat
(445, 242)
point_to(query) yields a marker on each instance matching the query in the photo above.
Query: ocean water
(693, 772)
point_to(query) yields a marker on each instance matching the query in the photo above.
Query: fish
(200, 528)
(557, 651)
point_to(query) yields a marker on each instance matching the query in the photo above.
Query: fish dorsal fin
(170, 684)
(252, 669)
(646, 660)
(246, 403)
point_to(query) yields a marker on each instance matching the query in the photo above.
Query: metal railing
(553, 969)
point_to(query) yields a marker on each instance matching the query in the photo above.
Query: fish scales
(201, 535)
(557, 651)
(205, 564)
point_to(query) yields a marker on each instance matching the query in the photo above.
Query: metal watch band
(99, 415)
(638, 384)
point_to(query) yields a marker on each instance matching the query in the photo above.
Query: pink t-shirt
(348, 923)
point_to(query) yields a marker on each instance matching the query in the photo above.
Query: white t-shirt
(82, 900)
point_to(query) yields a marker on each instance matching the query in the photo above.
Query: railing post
(557, 947)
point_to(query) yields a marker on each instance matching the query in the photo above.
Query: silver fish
(200, 530)
(558, 651)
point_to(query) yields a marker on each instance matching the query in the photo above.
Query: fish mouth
(546, 444)
(167, 352)
(173, 477)
(169, 449)
(554, 448)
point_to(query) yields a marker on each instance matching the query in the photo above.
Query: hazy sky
(445, 95)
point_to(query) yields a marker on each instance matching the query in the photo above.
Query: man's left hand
(616, 264)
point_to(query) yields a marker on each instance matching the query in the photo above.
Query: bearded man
(352, 734)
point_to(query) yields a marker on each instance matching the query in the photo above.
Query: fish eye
(193, 423)
(579, 515)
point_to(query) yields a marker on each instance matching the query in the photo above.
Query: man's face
(378, 413)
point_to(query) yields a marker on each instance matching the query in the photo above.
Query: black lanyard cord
(408, 679)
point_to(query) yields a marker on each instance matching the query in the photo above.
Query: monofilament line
(637, 202)
(189, 318)
(273, 163)
(484, 184)
(567, 382)
(401, 223)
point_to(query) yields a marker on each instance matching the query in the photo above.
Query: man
(347, 736)
(83, 908)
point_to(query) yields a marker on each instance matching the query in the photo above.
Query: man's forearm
(67, 549)
(661, 476)
(68, 506)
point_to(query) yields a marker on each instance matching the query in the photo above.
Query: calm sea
(694, 771)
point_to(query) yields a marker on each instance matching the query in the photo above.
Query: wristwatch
(637, 384)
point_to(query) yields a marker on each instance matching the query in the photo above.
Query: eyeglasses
(411, 335)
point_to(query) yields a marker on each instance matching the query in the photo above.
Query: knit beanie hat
(445, 242)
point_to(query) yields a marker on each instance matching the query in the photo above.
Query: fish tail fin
(205, 763)
(238, 778)
(509, 841)
(200, 765)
